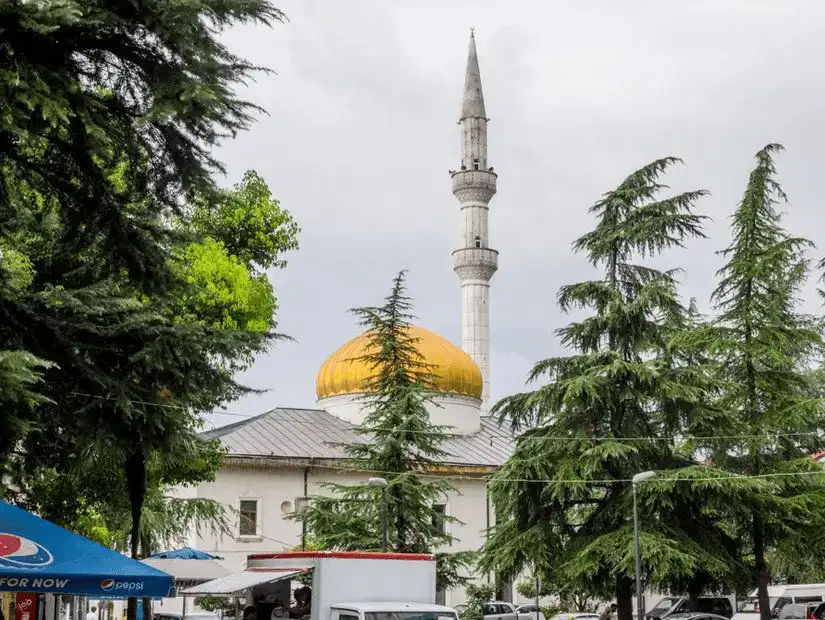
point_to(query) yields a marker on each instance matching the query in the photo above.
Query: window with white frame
(249, 517)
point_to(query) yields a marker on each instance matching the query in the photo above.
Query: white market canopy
(188, 573)
(237, 583)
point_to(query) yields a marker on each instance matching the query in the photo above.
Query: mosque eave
(286, 437)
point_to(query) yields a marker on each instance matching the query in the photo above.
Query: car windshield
(663, 605)
(751, 606)
(409, 615)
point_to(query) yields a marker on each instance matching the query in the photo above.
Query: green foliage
(550, 611)
(134, 319)
(74, 76)
(60, 498)
(477, 595)
(220, 291)
(249, 222)
(624, 385)
(764, 352)
(155, 368)
(403, 443)
(213, 603)
(242, 232)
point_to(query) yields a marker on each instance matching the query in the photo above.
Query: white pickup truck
(502, 610)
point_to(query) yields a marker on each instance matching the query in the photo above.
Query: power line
(506, 436)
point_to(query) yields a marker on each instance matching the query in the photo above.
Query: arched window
(478, 241)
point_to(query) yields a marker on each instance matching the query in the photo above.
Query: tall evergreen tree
(402, 445)
(150, 83)
(765, 350)
(564, 498)
(109, 115)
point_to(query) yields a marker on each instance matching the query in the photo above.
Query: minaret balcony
(474, 185)
(475, 263)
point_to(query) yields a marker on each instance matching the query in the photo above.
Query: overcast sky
(362, 131)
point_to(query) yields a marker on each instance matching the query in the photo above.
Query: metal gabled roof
(316, 434)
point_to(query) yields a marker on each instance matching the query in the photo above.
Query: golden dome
(454, 371)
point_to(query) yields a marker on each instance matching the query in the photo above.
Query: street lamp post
(381, 482)
(640, 604)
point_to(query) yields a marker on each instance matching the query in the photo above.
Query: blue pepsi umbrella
(185, 553)
(39, 556)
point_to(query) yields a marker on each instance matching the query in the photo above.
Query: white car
(577, 615)
(532, 610)
(502, 610)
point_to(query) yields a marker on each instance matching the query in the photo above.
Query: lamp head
(377, 482)
(643, 476)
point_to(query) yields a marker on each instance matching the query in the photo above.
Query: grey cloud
(362, 130)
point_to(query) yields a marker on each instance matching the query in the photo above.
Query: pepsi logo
(107, 585)
(20, 552)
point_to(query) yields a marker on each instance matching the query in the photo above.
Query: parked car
(532, 609)
(577, 615)
(696, 615)
(802, 611)
(502, 610)
(673, 605)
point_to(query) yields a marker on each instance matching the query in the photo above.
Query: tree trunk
(146, 551)
(624, 597)
(134, 469)
(762, 575)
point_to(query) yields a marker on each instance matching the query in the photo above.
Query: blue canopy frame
(39, 556)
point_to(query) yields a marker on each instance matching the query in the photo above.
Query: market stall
(37, 556)
(189, 567)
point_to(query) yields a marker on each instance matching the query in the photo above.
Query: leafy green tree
(564, 495)
(403, 443)
(249, 222)
(764, 350)
(155, 360)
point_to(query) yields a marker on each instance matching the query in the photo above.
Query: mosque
(279, 459)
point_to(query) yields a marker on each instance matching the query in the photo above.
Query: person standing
(92, 615)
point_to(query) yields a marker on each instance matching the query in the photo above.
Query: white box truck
(345, 585)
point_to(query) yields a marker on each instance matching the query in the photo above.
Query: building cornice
(340, 465)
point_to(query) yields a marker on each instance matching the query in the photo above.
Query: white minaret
(474, 186)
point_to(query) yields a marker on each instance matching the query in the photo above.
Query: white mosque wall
(462, 413)
(276, 492)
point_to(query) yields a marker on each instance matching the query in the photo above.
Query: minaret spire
(473, 102)
(474, 185)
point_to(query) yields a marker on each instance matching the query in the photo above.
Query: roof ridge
(219, 431)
